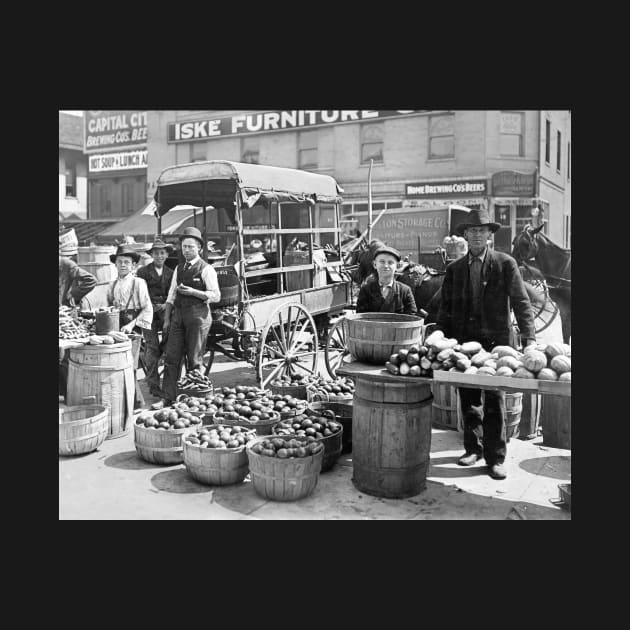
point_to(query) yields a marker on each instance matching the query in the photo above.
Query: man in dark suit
(158, 278)
(381, 293)
(478, 291)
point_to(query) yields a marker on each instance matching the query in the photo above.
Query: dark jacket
(158, 285)
(73, 281)
(400, 300)
(501, 288)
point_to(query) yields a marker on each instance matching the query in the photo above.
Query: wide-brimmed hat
(388, 250)
(158, 243)
(125, 250)
(191, 232)
(477, 218)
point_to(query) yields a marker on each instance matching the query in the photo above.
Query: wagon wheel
(288, 344)
(545, 315)
(336, 348)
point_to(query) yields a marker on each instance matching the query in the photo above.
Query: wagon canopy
(214, 183)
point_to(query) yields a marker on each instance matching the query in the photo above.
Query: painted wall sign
(264, 122)
(105, 129)
(117, 161)
(447, 188)
(513, 184)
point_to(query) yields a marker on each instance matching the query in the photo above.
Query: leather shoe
(497, 471)
(468, 459)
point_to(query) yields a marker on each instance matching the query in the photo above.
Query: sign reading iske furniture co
(264, 122)
(105, 129)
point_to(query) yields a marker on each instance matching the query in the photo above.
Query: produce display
(194, 380)
(167, 418)
(287, 449)
(248, 405)
(551, 362)
(317, 427)
(111, 337)
(339, 386)
(72, 327)
(220, 437)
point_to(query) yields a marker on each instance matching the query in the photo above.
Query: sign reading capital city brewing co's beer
(105, 129)
(263, 122)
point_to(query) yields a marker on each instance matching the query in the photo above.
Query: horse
(552, 263)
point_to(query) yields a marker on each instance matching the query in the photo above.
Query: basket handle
(317, 394)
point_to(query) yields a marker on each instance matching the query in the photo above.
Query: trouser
(187, 335)
(63, 376)
(484, 428)
(152, 351)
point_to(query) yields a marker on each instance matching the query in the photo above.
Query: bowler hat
(191, 232)
(125, 250)
(387, 250)
(158, 243)
(477, 218)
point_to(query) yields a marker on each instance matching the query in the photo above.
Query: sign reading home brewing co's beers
(264, 122)
(105, 129)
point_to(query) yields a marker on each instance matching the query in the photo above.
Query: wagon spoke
(299, 340)
(303, 367)
(284, 339)
(275, 334)
(291, 326)
(275, 352)
(272, 375)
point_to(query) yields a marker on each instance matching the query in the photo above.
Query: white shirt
(386, 289)
(121, 292)
(208, 275)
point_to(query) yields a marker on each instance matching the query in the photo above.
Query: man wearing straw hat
(187, 315)
(158, 278)
(478, 291)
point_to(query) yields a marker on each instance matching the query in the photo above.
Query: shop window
(71, 172)
(105, 203)
(127, 198)
(523, 217)
(559, 152)
(547, 141)
(372, 143)
(250, 150)
(569, 161)
(441, 137)
(511, 140)
(307, 151)
(198, 152)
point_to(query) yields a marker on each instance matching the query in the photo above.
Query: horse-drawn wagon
(282, 274)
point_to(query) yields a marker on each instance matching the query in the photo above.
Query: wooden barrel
(95, 254)
(530, 417)
(284, 479)
(216, 466)
(391, 437)
(96, 298)
(374, 337)
(446, 409)
(82, 428)
(158, 446)
(105, 372)
(555, 419)
(103, 272)
(513, 411)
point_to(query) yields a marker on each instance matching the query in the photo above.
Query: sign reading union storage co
(208, 128)
(114, 129)
(118, 161)
(447, 188)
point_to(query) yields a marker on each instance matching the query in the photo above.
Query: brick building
(508, 162)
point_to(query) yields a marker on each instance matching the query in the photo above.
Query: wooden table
(377, 373)
(555, 415)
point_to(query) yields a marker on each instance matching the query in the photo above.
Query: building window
(105, 202)
(511, 133)
(372, 143)
(547, 141)
(569, 161)
(307, 149)
(71, 177)
(441, 137)
(250, 150)
(197, 151)
(127, 198)
(559, 153)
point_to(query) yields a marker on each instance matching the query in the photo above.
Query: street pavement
(114, 483)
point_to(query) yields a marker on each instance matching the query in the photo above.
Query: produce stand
(65, 345)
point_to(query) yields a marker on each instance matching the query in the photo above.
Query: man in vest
(187, 315)
(158, 278)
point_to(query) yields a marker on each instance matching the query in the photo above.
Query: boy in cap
(381, 293)
(158, 278)
(187, 315)
(478, 290)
